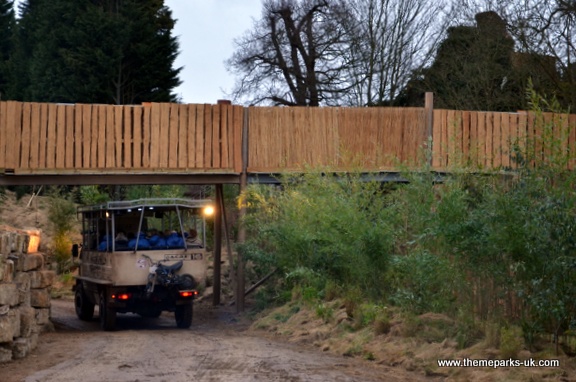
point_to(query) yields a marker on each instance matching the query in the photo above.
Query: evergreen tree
(92, 51)
(6, 44)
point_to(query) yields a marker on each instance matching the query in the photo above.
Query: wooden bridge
(164, 143)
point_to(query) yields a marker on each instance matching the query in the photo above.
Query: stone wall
(24, 293)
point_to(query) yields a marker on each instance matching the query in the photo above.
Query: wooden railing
(375, 139)
(40, 138)
(492, 140)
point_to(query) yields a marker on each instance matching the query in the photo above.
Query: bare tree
(392, 39)
(295, 55)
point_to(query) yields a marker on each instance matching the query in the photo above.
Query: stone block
(8, 271)
(40, 298)
(41, 279)
(8, 294)
(4, 243)
(22, 281)
(20, 348)
(42, 316)
(5, 354)
(27, 321)
(30, 262)
(10, 326)
(13, 241)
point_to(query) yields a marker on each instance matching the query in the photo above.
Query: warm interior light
(208, 210)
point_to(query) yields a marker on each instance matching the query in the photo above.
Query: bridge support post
(240, 287)
(217, 245)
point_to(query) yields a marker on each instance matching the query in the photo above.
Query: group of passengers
(154, 239)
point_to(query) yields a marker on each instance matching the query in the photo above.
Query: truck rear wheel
(183, 314)
(84, 307)
(107, 314)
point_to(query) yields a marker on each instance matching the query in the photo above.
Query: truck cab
(124, 242)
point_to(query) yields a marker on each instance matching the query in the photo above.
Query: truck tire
(107, 314)
(183, 314)
(84, 307)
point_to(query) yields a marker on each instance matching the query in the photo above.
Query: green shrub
(511, 342)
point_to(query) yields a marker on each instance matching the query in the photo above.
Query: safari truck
(141, 256)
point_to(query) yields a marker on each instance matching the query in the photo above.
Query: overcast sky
(206, 29)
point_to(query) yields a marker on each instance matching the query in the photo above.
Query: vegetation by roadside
(480, 265)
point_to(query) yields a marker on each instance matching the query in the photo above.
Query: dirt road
(216, 348)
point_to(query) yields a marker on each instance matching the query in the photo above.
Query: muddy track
(216, 348)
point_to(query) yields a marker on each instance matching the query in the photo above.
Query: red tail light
(188, 293)
(121, 296)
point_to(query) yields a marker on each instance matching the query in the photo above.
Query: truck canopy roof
(150, 203)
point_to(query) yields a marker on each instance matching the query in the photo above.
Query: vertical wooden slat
(26, 135)
(200, 132)
(35, 131)
(174, 135)
(451, 138)
(436, 139)
(235, 140)
(194, 113)
(207, 151)
(127, 138)
(489, 141)
(572, 141)
(482, 139)
(166, 140)
(474, 139)
(3, 134)
(497, 141)
(43, 138)
(13, 134)
(146, 137)
(182, 136)
(89, 119)
(110, 136)
(505, 140)
(466, 126)
(137, 135)
(216, 159)
(61, 145)
(78, 136)
(51, 139)
(560, 135)
(69, 159)
(98, 137)
(512, 139)
(118, 136)
(9, 128)
(105, 134)
(225, 117)
(155, 135)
